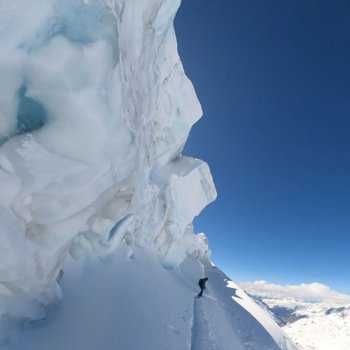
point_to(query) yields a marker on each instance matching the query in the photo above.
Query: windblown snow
(96, 198)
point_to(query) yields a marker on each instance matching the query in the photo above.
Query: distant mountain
(311, 325)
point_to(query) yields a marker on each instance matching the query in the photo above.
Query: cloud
(312, 292)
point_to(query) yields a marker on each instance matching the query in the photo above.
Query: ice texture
(95, 109)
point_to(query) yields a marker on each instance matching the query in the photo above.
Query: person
(201, 284)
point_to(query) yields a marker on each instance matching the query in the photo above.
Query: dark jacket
(202, 282)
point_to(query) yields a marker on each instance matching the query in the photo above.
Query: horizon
(273, 82)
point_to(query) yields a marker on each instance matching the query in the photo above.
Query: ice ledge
(101, 165)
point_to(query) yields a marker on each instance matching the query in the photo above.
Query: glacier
(95, 110)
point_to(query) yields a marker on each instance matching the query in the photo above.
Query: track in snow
(201, 331)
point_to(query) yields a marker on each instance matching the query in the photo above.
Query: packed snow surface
(95, 109)
(132, 302)
(314, 316)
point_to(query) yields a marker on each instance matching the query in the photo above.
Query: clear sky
(274, 81)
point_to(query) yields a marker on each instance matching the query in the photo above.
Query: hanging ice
(95, 109)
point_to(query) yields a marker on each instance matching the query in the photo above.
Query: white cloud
(312, 292)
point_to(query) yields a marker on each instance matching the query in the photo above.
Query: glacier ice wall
(95, 109)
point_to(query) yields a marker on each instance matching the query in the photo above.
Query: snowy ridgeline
(95, 109)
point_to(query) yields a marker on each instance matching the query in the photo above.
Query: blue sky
(274, 81)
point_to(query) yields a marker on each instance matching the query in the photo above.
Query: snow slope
(132, 302)
(312, 325)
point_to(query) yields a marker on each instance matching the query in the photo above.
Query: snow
(95, 110)
(319, 331)
(134, 303)
(314, 316)
(116, 303)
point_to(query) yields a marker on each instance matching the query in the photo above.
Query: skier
(201, 284)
